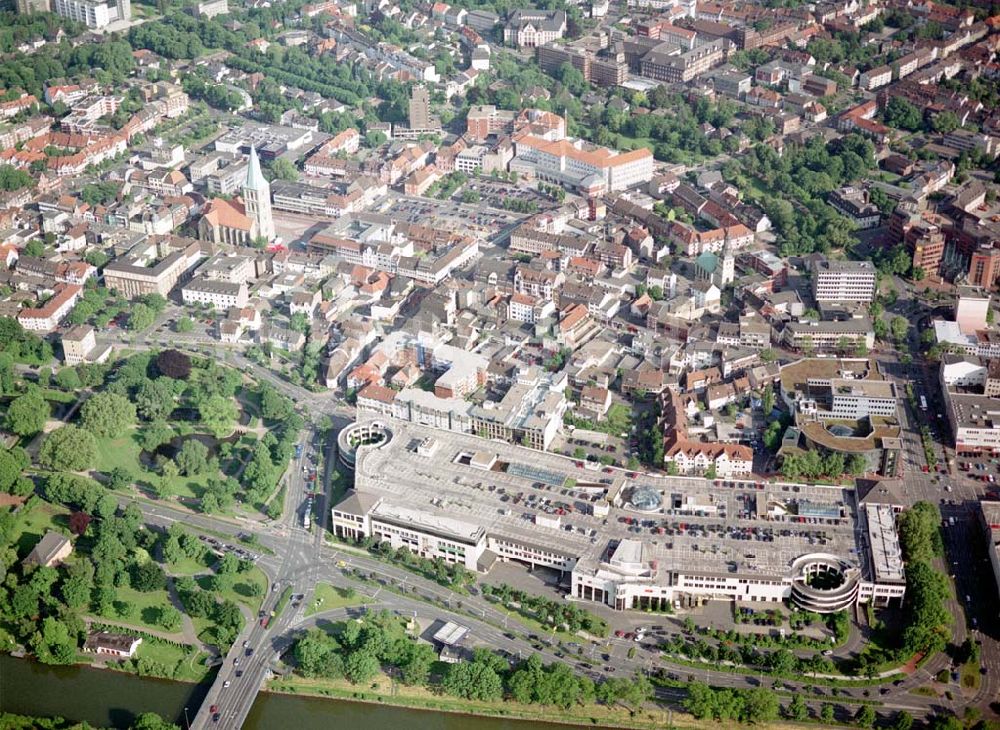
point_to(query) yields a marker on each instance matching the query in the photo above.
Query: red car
(213, 709)
(619, 634)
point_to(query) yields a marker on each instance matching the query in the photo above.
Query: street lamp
(187, 724)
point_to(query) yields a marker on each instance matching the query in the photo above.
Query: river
(112, 699)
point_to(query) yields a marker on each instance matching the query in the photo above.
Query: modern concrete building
(844, 281)
(449, 496)
(95, 14)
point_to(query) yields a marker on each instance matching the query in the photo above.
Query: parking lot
(742, 524)
(449, 215)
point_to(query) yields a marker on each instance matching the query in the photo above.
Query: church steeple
(257, 198)
(255, 178)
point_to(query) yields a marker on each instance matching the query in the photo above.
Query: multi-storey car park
(624, 539)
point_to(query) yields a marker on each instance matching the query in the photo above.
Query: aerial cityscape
(499, 364)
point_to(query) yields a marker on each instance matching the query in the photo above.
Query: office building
(528, 28)
(984, 267)
(663, 63)
(844, 281)
(154, 266)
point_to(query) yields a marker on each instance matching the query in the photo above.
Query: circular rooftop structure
(645, 499)
(357, 436)
(839, 429)
(824, 583)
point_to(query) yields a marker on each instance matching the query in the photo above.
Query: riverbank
(384, 691)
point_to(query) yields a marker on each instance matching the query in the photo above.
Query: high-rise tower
(257, 198)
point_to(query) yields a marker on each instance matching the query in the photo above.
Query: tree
(76, 591)
(218, 414)
(68, 449)
(360, 666)
(107, 414)
(151, 721)
(273, 405)
(154, 435)
(797, 709)
(416, 667)
(904, 721)
(67, 379)
(192, 459)
(865, 717)
(767, 399)
(141, 317)
(857, 465)
(12, 462)
(946, 122)
(148, 577)
(473, 681)
(78, 522)
(826, 713)
(174, 364)
(899, 325)
(902, 114)
(54, 644)
(12, 178)
(154, 400)
(168, 617)
(760, 706)
(28, 413)
(282, 169)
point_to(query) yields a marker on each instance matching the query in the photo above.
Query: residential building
(210, 8)
(984, 267)
(105, 643)
(46, 317)
(855, 204)
(78, 342)
(593, 170)
(49, 552)
(217, 293)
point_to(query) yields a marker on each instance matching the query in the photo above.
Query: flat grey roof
(445, 489)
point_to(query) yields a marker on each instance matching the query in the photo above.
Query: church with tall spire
(245, 218)
(257, 198)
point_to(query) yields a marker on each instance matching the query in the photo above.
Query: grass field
(970, 675)
(141, 608)
(33, 522)
(187, 566)
(239, 590)
(182, 662)
(328, 598)
(124, 452)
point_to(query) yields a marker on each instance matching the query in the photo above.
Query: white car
(226, 684)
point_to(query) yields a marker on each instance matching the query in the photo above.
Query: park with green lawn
(151, 425)
(161, 425)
